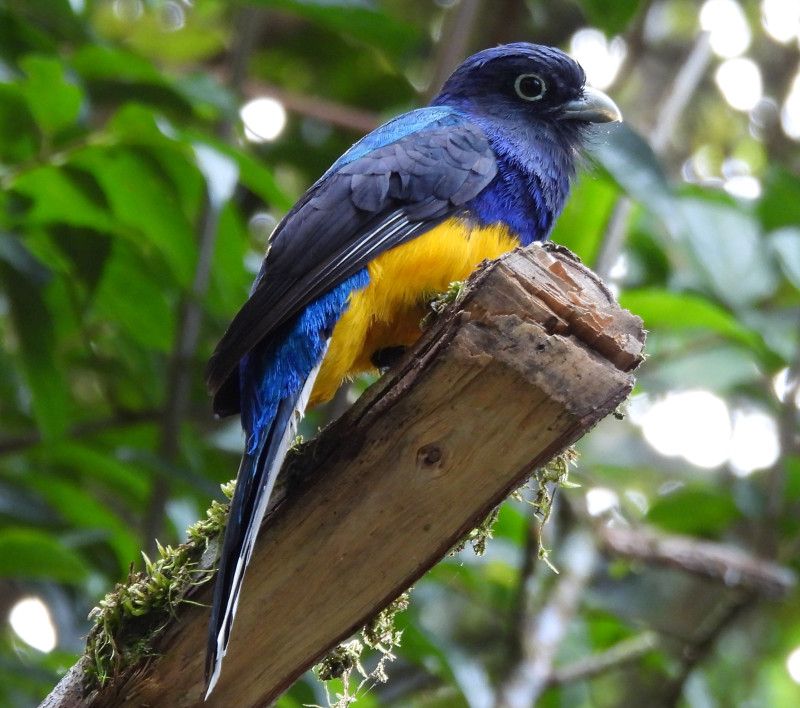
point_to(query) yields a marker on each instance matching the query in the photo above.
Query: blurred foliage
(123, 164)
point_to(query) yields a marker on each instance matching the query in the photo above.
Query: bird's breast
(387, 312)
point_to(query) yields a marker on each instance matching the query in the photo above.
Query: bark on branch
(533, 356)
(726, 564)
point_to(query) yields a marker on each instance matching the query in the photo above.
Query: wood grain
(535, 354)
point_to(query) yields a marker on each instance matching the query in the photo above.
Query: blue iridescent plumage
(278, 370)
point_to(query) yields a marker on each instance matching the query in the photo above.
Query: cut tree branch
(532, 356)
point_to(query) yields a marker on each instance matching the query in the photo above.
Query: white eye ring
(529, 97)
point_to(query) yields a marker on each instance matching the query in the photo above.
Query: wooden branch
(731, 566)
(534, 355)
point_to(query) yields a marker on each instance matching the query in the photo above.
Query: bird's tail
(256, 478)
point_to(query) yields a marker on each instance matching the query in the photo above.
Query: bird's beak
(593, 107)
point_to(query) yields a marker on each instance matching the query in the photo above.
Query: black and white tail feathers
(254, 483)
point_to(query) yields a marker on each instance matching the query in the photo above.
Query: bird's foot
(387, 357)
(551, 247)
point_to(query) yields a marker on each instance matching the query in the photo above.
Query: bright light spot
(754, 443)
(77, 6)
(173, 17)
(781, 19)
(599, 500)
(31, 620)
(781, 386)
(620, 268)
(694, 425)
(128, 10)
(220, 171)
(740, 83)
(729, 33)
(638, 405)
(600, 57)
(264, 119)
(793, 665)
(253, 262)
(261, 225)
(703, 165)
(790, 113)
(743, 186)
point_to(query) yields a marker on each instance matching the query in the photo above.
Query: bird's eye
(530, 87)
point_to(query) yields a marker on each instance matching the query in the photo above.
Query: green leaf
(207, 95)
(230, 280)
(18, 137)
(581, 225)
(18, 37)
(36, 555)
(80, 509)
(427, 650)
(129, 481)
(252, 174)
(665, 309)
(785, 244)
(728, 247)
(694, 510)
(780, 204)
(55, 17)
(203, 34)
(59, 199)
(723, 242)
(94, 61)
(136, 124)
(718, 368)
(87, 251)
(354, 19)
(14, 252)
(144, 201)
(613, 17)
(131, 298)
(628, 158)
(53, 101)
(33, 325)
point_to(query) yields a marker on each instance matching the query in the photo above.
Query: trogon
(410, 208)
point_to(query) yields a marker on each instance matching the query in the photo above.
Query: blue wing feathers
(277, 371)
(394, 130)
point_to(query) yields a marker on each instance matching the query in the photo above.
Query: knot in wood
(430, 456)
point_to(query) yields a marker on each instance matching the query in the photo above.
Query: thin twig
(543, 633)
(694, 653)
(453, 46)
(21, 443)
(675, 101)
(321, 109)
(179, 377)
(789, 438)
(621, 654)
(522, 598)
(686, 83)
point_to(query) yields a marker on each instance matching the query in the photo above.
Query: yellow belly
(388, 311)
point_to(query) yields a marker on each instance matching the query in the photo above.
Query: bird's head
(528, 82)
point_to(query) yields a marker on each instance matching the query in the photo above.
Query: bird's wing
(362, 207)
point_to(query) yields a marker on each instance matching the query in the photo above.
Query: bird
(410, 208)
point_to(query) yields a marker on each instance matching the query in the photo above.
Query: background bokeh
(147, 148)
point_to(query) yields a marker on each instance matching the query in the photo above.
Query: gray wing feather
(369, 205)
